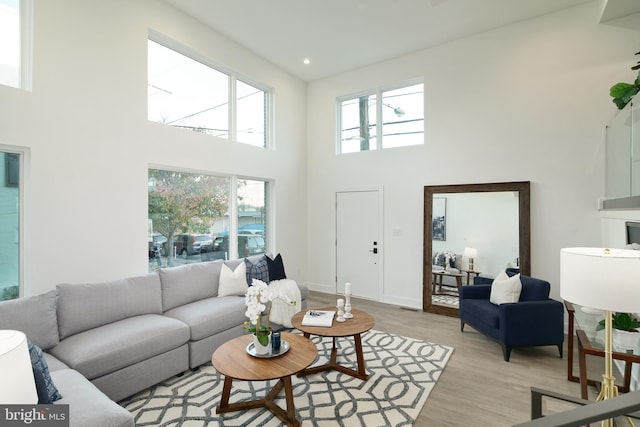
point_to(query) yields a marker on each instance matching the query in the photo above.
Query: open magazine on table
(318, 318)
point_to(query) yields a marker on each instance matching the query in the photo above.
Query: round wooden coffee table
(354, 327)
(232, 360)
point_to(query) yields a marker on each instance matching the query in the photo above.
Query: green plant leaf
(629, 93)
(619, 89)
(620, 103)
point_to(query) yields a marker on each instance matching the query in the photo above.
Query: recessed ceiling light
(306, 61)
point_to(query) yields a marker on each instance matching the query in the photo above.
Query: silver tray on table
(284, 347)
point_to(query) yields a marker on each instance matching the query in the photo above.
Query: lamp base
(609, 389)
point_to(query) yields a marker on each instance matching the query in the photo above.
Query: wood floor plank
(477, 388)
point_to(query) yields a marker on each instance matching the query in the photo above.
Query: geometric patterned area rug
(402, 373)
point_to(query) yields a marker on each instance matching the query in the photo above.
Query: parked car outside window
(251, 229)
(248, 244)
(191, 244)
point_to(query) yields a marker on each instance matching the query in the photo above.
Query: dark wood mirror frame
(524, 235)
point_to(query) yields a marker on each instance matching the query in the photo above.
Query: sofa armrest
(475, 292)
(532, 321)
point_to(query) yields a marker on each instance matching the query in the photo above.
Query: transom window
(187, 93)
(381, 119)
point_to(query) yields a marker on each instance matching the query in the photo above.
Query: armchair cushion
(505, 289)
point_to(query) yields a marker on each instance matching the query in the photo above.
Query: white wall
(527, 102)
(91, 143)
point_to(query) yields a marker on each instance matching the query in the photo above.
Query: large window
(381, 119)
(15, 46)
(197, 217)
(188, 93)
(10, 172)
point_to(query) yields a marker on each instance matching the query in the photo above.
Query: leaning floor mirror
(472, 230)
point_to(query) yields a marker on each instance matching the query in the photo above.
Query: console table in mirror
(494, 217)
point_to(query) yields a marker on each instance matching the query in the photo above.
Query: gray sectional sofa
(107, 341)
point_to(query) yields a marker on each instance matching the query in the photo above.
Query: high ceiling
(340, 35)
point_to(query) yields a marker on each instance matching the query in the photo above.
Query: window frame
(233, 205)
(379, 103)
(234, 77)
(25, 62)
(24, 161)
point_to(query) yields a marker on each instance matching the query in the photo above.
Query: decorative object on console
(625, 330)
(18, 384)
(606, 279)
(471, 253)
(258, 299)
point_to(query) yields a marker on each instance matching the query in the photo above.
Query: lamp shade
(17, 385)
(471, 252)
(608, 279)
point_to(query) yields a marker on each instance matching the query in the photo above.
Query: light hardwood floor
(477, 387)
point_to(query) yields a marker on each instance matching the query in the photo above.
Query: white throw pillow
(233, 282)
(505, 289)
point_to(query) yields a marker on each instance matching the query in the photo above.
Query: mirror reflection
(472, 231)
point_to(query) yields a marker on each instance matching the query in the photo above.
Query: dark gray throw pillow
(38, 362)
(259, 270)
(276, 268)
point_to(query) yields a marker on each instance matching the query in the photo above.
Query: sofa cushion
(210, 316)
(110, 347)
(505, 289)
(233, 282)
(86, 306)
(40, 366)
(276, 268)
(35, 316)
(88, 406)
(190, 282)
(257, 270)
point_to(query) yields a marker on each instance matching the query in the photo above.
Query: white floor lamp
(607, 279)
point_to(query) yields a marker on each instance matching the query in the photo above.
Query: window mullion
(233, 218)
(233, 108)
(379, 120)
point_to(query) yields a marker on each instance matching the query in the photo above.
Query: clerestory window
(381, 119)
(190, 93)
(15, 43)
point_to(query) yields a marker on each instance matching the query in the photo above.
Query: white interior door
(358, 246)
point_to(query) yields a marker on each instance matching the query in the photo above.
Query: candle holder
(347, 307)
(340, 317)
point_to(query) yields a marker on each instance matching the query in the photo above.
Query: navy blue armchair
(534, 320)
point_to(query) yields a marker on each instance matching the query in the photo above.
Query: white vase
(626, 340)
(259, 348)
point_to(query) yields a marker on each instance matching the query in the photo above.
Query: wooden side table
(354, 327)
(232, 360)
(437, 279)
(469, 273)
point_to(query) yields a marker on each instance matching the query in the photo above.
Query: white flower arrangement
(258, 299)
